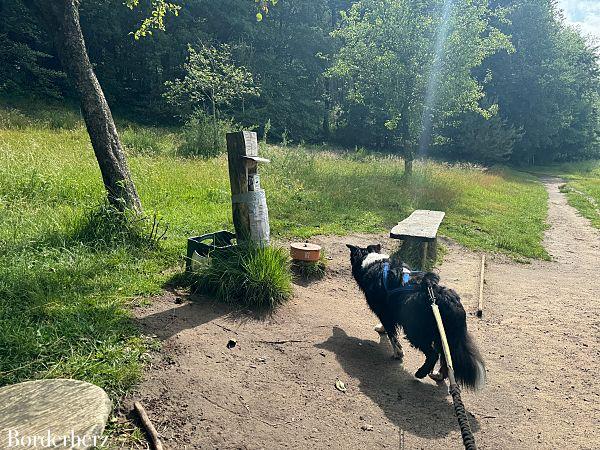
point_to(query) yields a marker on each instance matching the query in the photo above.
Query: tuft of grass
(310, 270)
(148, 141)
(12, 118)
(105, 226)
(410, 253)
(255, 276)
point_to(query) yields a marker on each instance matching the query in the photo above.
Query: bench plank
(421, 224)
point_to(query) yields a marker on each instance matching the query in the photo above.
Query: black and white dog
(411, 310)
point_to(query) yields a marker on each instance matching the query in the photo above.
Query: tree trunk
(327, 112)
(61, 18)
(408, 166)
(407, 148)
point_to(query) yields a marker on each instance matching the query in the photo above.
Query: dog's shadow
(413, 406)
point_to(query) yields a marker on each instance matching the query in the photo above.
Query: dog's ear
(352, 248)
(375, 248)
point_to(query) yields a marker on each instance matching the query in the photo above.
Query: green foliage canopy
(210, 75)
(515, 81)
(388, 53)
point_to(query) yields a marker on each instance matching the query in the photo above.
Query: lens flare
(433, 82)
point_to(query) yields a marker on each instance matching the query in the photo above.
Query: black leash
(459, 407)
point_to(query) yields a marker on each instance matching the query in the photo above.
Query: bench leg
(424, 251)
(432, 251)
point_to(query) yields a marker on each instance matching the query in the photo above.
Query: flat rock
(421, 224)
(71, 413)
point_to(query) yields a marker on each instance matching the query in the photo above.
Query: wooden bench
(421, 227)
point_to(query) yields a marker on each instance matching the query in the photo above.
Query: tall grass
(251, 275)
(64, 298)
(148, 141)
(320, 191)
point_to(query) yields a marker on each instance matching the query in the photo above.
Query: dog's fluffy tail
(469, 367)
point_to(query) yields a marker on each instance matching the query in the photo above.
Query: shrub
(61, 119)
(11, 118)
(200, 136)
(482, 140)
(255, 276)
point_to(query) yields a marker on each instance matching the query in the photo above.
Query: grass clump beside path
(258, 277)
(66, 282)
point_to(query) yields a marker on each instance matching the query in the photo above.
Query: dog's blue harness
(408, 286)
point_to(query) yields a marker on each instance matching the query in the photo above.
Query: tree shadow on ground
(192, 312)
(413, 406)
(196, 310)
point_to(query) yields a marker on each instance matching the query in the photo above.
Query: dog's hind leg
(431, 358)
(392, 331)
(442, 374)
(398, 353)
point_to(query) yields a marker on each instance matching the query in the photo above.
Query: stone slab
(422, 224)
(69, 412)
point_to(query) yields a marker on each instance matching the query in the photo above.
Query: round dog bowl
(303, 251)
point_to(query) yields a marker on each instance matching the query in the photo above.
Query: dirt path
(540, 333)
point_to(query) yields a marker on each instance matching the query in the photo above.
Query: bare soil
(540, 334)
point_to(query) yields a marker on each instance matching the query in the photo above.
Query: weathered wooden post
(248, 200)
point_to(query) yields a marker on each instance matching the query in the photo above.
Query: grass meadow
(67, 281)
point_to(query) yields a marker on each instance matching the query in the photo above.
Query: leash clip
(431, 295)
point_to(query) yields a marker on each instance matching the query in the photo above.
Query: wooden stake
(481, 281)
(150, 430)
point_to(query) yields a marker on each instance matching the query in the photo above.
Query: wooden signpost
(248, 200)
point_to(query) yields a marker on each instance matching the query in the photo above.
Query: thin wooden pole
(481, 281)
(150, 430)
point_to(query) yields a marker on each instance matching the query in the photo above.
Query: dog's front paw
(437, 377)
(421, 373)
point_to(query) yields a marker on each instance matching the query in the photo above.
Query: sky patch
(584, 14)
